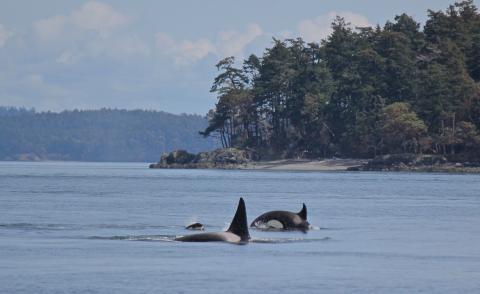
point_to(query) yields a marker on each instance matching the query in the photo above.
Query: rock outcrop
(415, 162)
(401, 161)
(226, 158)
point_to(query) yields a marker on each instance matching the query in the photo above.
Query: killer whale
(283, 220)
(195, 226)
(236, 233)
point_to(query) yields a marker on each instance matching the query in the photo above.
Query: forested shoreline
(98, 135)
(361, 92)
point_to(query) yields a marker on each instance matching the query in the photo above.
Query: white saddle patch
(275, 224)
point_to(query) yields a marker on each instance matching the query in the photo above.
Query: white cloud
(4, 35)
(317, 29)
(192, 51)
(74, 40)
(228, 43)
(92, 16)
(185, 52)
(50, 28)
(98, 17)
(232, 43)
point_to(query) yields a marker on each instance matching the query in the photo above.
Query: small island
(391, 97)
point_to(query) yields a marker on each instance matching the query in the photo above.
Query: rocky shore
(416, 163)
(227, 158)
(232, 158)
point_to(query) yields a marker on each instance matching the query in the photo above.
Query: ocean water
(109, 227)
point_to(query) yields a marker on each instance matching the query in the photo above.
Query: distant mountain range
(98, 135)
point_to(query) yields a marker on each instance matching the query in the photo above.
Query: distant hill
(98, 135)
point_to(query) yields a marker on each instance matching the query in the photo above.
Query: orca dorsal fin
(303, 212)
(239, 225)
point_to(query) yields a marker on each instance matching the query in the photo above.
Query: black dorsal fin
(303, 212)
(239, 225)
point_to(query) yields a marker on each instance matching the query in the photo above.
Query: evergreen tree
(329, 98)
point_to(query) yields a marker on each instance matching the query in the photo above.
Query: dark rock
(389, 161)
(178, 157)
(403, 162)
(220, 158)
(471, 164)
(231, 156)
(202, 157)
(393, 159)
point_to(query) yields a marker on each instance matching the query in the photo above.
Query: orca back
(239, 225)
(303, 212)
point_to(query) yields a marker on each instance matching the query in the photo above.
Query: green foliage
(100, 135)
(360, 92)
(401, 128)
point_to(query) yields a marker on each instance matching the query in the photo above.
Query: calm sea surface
(108, 228)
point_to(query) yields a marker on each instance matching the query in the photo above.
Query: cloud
(92, 16)
(184, 52)
(94, 55)
(72, 34)
(228, 43)
(4, 35)
(192, 51)
(50, 28)
(319, 28)
(232, 43)
(98, 17)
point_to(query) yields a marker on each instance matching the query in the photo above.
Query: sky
(157, 55)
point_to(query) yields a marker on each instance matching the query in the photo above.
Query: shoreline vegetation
(232, 158)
